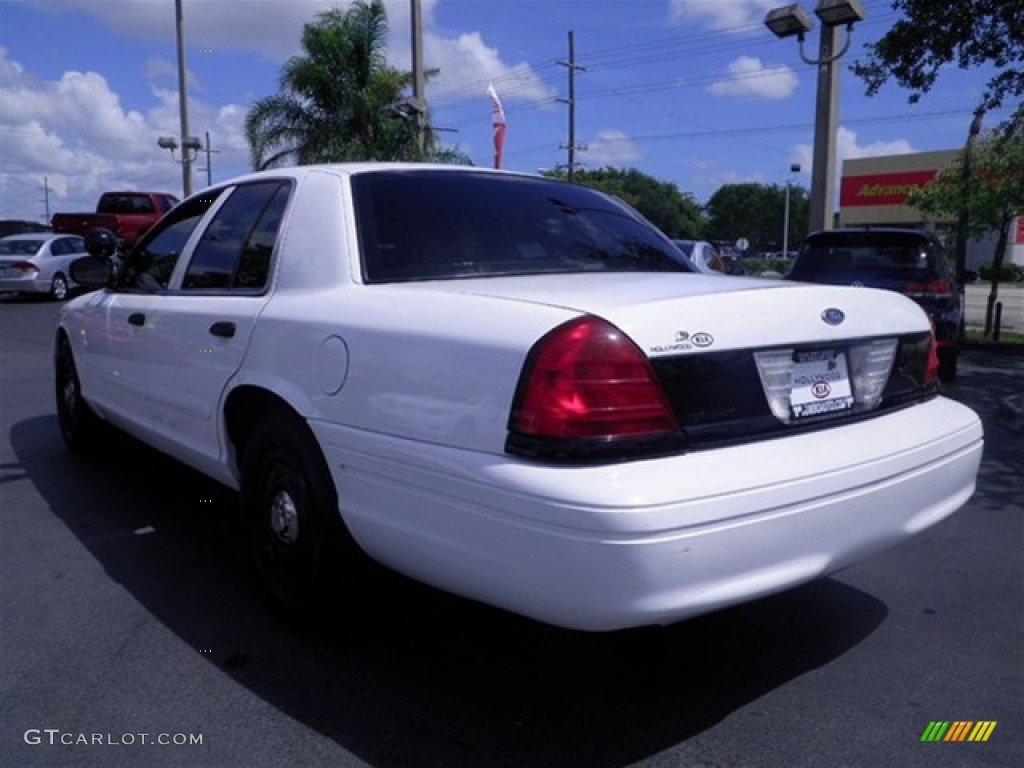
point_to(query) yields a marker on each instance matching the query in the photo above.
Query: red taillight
(25, 266)
(937, 288)
(587, 379)
(931, 371)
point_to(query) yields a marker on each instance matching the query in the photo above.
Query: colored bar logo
(958, 730)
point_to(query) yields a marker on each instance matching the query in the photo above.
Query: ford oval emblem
(833, 316)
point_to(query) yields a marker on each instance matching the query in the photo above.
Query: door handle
(137, 318)
(223, 328)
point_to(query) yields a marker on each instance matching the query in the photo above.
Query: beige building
(874, 191)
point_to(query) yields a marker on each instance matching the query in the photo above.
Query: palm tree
(333, 101)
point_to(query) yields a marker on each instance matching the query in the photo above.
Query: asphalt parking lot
(127, 614)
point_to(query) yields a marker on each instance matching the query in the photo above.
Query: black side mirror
(91, 271)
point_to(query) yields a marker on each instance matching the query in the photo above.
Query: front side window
(424, 225)
(151, 264)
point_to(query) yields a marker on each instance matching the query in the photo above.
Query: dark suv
(910, 261)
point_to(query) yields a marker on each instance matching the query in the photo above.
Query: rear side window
(424, 225)
(234, 251)
(67, 245)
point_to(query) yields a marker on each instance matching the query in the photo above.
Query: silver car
(38, 262)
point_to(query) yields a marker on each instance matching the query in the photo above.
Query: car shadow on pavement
(421, 678)
(985, 383)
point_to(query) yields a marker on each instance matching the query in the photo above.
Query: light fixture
(789, 20)
(167, 142)
(836, 13)
(793, 21)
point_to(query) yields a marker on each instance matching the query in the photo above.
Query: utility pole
(209, 161)
(46, 199)
(571, 101)
(965, 193)
(186, 161)
(419, 101)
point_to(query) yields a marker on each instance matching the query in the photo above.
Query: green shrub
(1010, 273)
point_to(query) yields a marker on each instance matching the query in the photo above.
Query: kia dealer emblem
(833, 316)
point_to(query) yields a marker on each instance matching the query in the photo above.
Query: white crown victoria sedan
(507, 387)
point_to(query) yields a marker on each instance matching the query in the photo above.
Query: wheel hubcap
(284, 518)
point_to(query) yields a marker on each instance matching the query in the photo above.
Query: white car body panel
(408, 389)
(654, 541)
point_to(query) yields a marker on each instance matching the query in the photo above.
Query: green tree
(967, 33)
(992, 196)
(757, 212)
(661, 202)
(334, 101)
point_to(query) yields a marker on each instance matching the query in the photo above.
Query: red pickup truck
(127, 214)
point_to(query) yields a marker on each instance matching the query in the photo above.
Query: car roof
(864, 232)
(38, 236)
(351, 169)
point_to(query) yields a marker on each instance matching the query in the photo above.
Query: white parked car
(702, 255)
(507, 387)
(37, 263)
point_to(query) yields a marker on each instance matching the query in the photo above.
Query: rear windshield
(897, 256)
(432, 225)
(125, 203)
(19, 247)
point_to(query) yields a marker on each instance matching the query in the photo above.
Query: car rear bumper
(656, 541)
(27, 284)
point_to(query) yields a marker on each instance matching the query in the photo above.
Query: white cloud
(750, 78)
(740, 16)
(847, 148)
(75, 133)
(610, 148)
(467, 64)
(272, 27)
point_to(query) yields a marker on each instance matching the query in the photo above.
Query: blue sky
(697, 92)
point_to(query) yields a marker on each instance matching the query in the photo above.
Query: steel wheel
(79, 426)
(294, 531)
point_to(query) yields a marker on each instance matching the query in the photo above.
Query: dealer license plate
(821, 384)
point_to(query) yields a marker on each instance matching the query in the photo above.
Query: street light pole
(825, 125)
(794, 168)
(792, 20)
(186, 162)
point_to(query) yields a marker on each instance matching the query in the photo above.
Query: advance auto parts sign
(882, 188)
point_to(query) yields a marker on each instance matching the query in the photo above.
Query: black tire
(302, 553)
(81, 429)
(59, 288)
